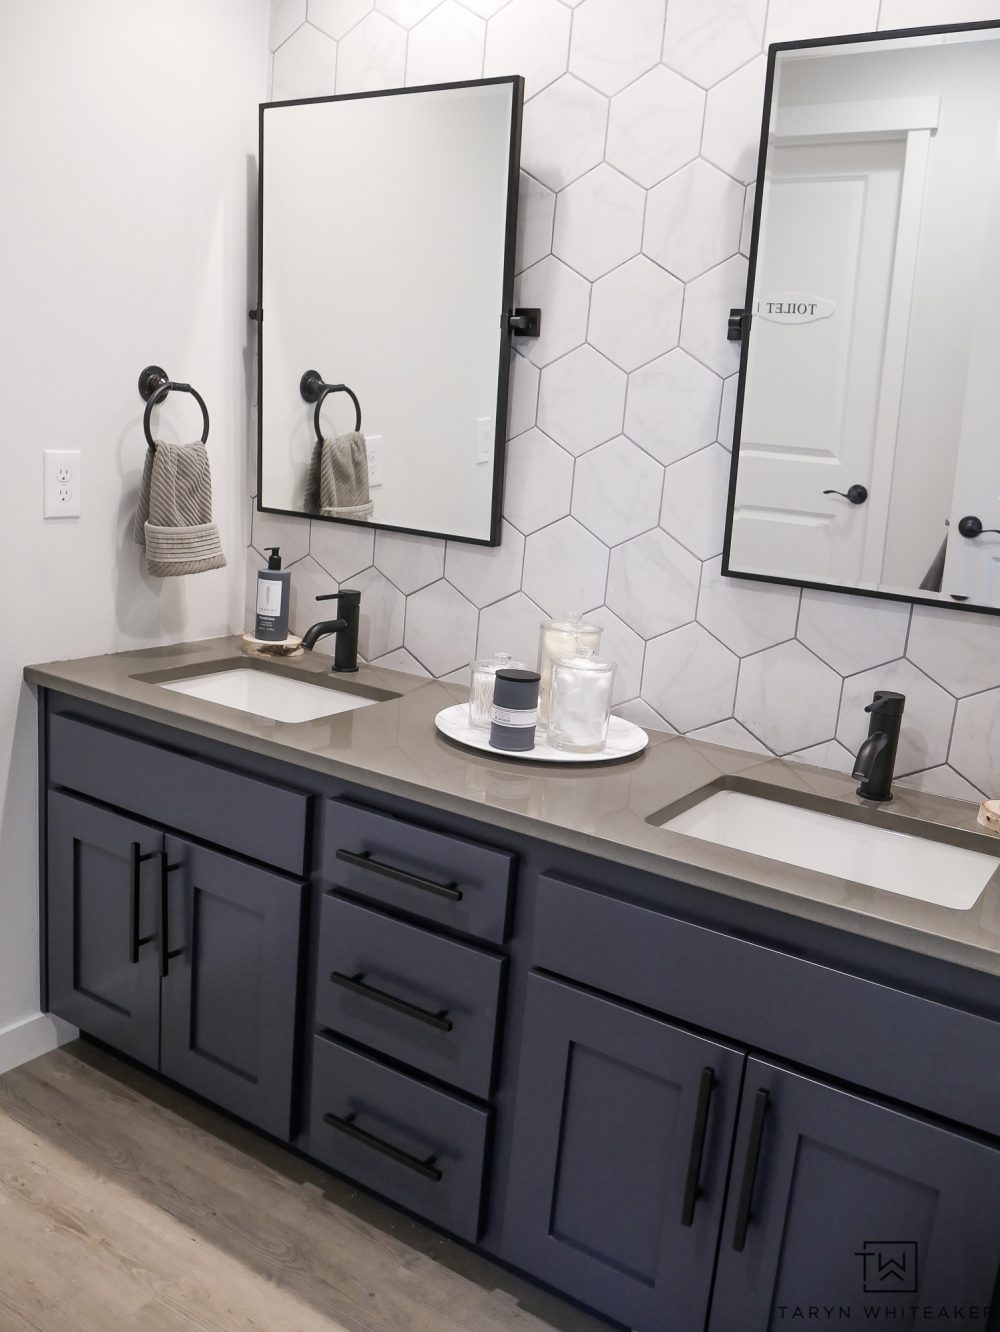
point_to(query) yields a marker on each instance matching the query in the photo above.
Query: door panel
(852, 1206)
(98, 978)
(608, 1104)
(810, 412)
(231, 990)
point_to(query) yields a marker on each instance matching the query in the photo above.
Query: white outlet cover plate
(60, 483)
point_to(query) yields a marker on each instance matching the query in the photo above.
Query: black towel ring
(154, 385)
(313, 389)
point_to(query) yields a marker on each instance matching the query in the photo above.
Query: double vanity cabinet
(682, 1108)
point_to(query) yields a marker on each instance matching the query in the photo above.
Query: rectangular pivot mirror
(387, 225)
(867, 452)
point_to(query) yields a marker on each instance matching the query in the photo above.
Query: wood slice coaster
(259, 647)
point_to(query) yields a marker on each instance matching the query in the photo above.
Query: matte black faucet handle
(970, 526)
(887, 703)
(348, 594)
(856, 494)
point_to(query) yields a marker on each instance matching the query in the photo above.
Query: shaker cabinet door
(837, 1202)
(621, 1141)
(103, 873)
(230, 988)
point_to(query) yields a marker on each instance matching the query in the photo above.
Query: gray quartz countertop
(602, 810)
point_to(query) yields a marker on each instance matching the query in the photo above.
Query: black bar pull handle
(166, 869)
(358, 985)
(133, 929)
(692, 1192)
(744, 1214)
(349, 1128)
(363, 860)
(136, 859)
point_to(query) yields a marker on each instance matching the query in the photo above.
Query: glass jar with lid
(580, 703)
(484, 674)
(561, 638)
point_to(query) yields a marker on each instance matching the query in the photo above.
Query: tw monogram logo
(889, 1266)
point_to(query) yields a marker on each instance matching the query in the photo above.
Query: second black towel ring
(313, 389)
(154, 385)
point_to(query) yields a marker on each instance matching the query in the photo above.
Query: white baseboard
(32, 1037)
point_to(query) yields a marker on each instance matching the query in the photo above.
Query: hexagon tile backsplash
(640, 139)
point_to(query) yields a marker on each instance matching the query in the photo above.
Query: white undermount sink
(267, 695)
(897, 862)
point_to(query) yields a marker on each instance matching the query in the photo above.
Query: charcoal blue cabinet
(103, 872)
(229, 993)
(621, 1142)
(649, 1114)
(838, 1202)
(179, 956)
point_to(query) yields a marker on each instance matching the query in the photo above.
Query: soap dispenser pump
(273, 594)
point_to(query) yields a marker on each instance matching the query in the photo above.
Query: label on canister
(514, 716)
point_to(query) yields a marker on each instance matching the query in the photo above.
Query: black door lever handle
(970, 526)
(856, 494)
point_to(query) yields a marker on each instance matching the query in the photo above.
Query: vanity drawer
(421, 1147)
(863, 1032)
(421, 998)
(447, 880)
(244, 814)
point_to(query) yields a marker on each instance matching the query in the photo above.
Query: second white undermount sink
(269, 695)
(922, 868)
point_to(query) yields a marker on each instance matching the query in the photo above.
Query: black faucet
(345, 652)
(877, 756)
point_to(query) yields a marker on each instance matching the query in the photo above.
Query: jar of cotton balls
(580, 703)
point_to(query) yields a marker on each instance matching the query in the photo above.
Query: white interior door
(830, 216)
(972, 565)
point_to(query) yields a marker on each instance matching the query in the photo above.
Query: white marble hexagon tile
(640, 138)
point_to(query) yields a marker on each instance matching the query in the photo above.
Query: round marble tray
(624, 740)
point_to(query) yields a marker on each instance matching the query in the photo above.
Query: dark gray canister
(515, 710)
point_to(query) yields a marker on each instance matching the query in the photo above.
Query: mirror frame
(746, 322)
(516, 85)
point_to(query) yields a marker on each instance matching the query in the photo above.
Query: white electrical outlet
(484, 439)
(60, 483)
(374, 443)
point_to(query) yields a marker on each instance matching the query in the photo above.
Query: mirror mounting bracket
(738, 326)
(525, 322)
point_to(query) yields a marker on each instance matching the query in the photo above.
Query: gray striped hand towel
(337, 484)
(173, 518)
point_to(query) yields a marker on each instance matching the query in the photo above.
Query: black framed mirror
(386, 266)
(866, 454)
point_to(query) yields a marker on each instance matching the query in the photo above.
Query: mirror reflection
(386, 269)
(866, 452)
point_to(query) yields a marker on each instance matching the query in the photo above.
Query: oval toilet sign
(793, 308)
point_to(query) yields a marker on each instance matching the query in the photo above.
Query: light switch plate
(60, 483)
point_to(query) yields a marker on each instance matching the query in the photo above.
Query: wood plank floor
(124, 1205)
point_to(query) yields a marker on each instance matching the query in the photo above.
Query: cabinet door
(839, 1203)
(621, 1141)
(103, 871)
(230, 986)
